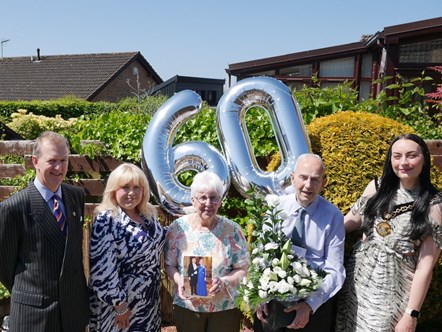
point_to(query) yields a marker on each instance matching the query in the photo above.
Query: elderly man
(41, 230)
(317, 231)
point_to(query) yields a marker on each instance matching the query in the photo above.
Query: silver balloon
(275, 98)
(163, 162)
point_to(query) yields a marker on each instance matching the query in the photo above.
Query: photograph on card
(197, 276)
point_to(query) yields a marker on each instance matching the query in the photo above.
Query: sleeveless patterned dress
(380, 272)
(125, 266)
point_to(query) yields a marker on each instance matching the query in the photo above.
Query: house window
(297, 71)
(265, 73)
(337, 68)
(421, 52)
(367, 62)
(364, 90)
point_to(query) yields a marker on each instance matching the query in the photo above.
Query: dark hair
(381, 202)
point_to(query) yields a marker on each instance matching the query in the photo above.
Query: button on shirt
(324, 237)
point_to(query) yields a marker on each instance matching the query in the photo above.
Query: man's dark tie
(298, 229)
(58, 214)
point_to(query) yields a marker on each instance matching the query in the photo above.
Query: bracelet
(121, 311)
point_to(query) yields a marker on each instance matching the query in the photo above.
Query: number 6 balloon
(163, 162)
(275, 98)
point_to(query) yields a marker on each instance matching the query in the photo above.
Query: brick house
(93, 77)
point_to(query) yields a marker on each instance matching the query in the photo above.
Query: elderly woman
(220, 241)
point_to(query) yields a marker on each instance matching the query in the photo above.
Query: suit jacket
(193, 278)
(41, 268)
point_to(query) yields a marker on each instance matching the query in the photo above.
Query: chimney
(38, 54)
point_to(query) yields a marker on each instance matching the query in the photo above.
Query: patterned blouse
(226, 246)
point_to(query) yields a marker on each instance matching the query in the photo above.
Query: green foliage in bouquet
(3, 292)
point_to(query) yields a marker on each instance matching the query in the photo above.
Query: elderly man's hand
(303, 312)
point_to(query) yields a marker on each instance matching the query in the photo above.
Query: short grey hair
(306, 155)
(206, 181)
(53, 137)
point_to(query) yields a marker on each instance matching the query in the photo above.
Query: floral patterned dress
(380, 272)
(125, 267)
(225, 244)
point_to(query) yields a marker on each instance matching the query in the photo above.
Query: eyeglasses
(213, 199)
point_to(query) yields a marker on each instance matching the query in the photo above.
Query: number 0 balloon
(274, 97)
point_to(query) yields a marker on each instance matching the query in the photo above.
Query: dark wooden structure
(210, 89)
(405, 49)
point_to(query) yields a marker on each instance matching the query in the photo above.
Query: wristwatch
(412, 312)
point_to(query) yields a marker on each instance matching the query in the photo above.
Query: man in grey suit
(41, 251)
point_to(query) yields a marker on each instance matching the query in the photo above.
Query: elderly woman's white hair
(206, 181)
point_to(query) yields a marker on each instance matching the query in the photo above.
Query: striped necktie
(57, 211)
(298, 229)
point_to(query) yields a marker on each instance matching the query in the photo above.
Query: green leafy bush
(404, 101)
(120, 132)
(68, 107)
(318, 101)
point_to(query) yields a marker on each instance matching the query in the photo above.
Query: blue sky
(197, 37)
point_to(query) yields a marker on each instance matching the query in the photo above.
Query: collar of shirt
(45, 192)
(292, 209)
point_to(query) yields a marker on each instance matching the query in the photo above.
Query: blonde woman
(125, 247)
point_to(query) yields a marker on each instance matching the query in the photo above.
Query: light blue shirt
(47, 195)
(324, 241)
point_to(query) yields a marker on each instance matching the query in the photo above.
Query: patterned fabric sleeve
(437, 235)
(359, 207)
(104, 280)
(171, 254)
(436, 221)
(240, 249)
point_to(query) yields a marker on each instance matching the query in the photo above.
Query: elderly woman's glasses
(212, 199)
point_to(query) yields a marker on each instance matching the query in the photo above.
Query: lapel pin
(74, 213)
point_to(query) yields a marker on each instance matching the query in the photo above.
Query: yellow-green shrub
(29, 126)
(353, 146)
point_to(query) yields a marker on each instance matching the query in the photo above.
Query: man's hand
(262, 313)
(303, 312)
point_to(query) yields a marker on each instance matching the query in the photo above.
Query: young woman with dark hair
(390, 269)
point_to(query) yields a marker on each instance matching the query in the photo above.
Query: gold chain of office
(384, 228)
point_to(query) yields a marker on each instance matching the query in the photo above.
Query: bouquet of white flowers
(275, 272)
